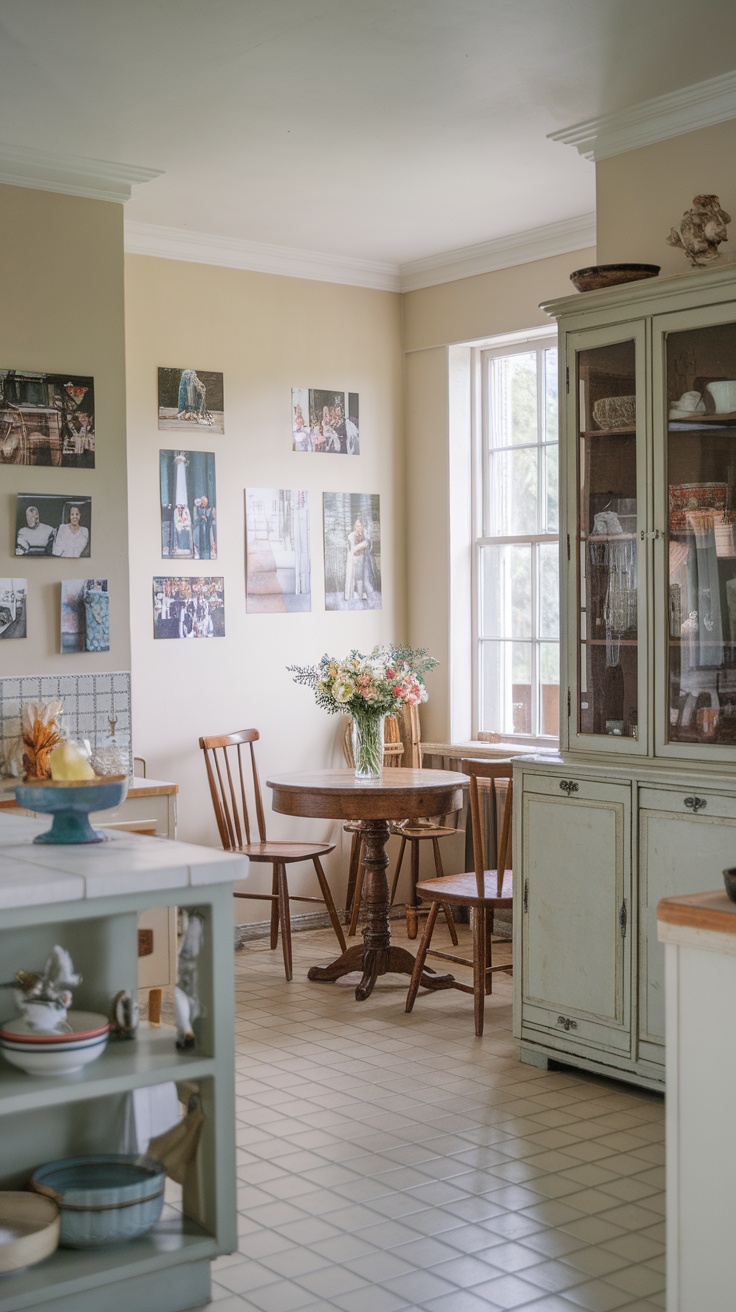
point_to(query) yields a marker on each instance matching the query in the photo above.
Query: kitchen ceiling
(383, 130)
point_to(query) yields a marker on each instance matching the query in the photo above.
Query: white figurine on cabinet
(43, 997)
(186, 994)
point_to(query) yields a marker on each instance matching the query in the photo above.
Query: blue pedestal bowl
(70, 804)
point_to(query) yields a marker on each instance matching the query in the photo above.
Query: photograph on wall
(13, 595)
(53, 525)
(85, 615)
(188, 608)
(188, 505)
(188, 397)
(277, 552)
(47, 419)
(352, 532)
(325, 421)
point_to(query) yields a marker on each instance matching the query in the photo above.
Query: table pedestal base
(375, 955)
(374, 962)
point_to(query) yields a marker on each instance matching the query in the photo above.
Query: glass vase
(368, 746)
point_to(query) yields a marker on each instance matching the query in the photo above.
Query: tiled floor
(389, 1161)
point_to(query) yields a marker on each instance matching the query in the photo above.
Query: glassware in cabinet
(700, 380)
(606, 534)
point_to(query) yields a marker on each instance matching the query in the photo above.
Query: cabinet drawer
(690, 800)
(576, 787)
(693, 800)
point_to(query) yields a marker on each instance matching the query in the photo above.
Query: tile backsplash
(90, 702)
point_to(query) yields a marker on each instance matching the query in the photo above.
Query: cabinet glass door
(700, 382)
(607, 551)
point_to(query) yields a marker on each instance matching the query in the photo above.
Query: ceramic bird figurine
(43, 997)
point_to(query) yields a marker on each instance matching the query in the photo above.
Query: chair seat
(275, 851)
(463, 889)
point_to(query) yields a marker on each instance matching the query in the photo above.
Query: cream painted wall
(505, 301)
(644, 193)
(434, 318)
(61, 271)
(266, 334)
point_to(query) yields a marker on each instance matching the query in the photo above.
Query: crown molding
(500, 253)
(686, 110)
(72, 175)
(258, 257)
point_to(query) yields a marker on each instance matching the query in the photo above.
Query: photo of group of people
(277, 550)
(188, 505)
(188, 608)
(47, 419)
(53, 526)
(13, 598)
(325, 421)
(85, 615)
(189, 397)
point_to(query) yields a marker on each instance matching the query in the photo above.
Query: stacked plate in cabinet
(55, 1052)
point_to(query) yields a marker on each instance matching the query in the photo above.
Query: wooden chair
(485, 889)
(234, 786)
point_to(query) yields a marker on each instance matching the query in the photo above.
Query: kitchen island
(699, 934)
(87, 899)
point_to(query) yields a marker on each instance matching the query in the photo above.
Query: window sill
(478, 748)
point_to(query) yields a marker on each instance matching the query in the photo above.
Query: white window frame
(519, 343)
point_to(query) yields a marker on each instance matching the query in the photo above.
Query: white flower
(342, 690)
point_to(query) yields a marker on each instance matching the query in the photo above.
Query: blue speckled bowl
(70, 803)
(105, 1198)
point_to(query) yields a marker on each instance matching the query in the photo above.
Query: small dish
(105, 1198)
(77, 1026)
(29, 1229)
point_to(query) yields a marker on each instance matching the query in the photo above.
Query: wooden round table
(399, 795)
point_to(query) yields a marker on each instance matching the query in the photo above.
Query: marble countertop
(32, 875)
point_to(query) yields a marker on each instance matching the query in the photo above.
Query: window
(516, 558)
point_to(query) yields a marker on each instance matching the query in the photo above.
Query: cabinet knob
(695, 804)
(568, 786)
(566, 1023)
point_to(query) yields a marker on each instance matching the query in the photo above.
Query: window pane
(506, 604)
(549, 592)
(513, 476)
(513, 400)
(550, 395)
(552, 482)
(550, 699)
(506, 687)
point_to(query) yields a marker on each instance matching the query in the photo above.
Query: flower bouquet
(368, 688)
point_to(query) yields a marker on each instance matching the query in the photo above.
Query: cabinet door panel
(577, 879)
(678, 853)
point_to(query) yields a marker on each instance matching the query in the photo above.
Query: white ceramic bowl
(29, 1229)
(53, 1058)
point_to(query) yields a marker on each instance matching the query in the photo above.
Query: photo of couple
(188, 505)
(352, 535)
(53, 526)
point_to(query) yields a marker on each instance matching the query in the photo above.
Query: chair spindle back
(232, 775)
(491, 801)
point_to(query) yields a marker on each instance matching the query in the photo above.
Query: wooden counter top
(138, 788)
(704, 920)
